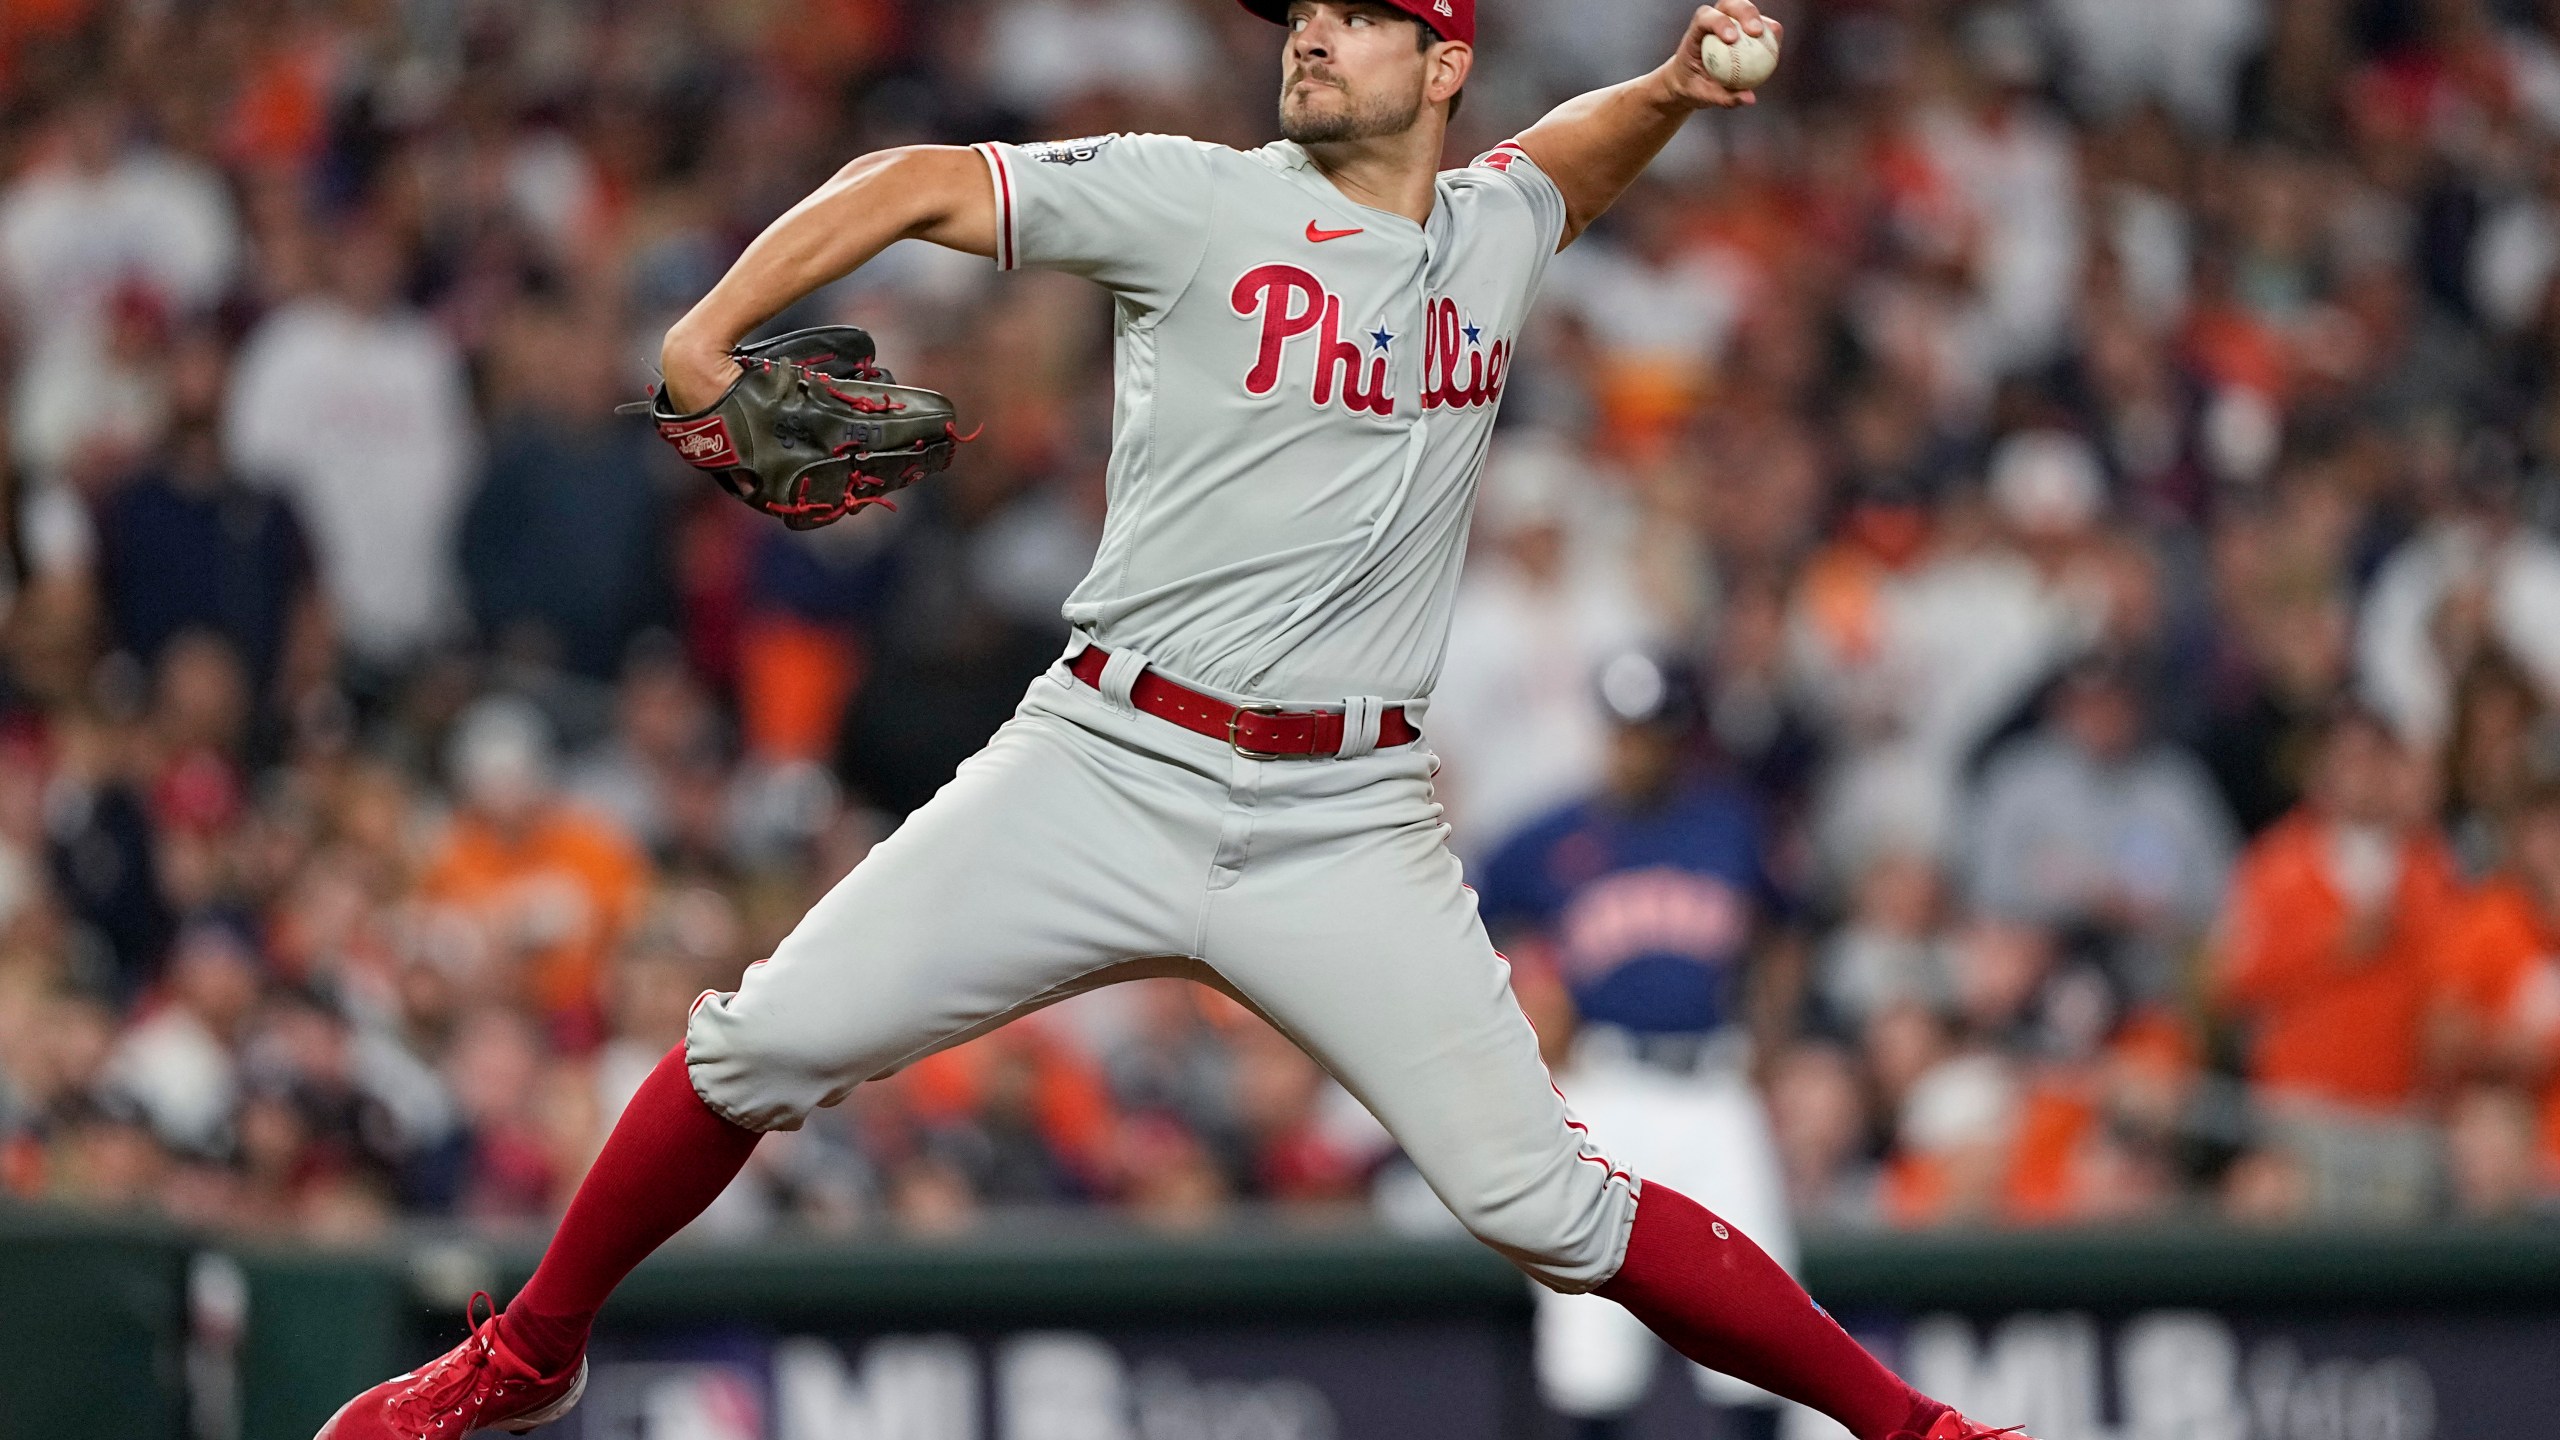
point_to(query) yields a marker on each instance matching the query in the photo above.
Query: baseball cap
(2047, 482)
(1451, 19)
(1638, 687)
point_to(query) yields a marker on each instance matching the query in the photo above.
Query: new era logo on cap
(1453, 19)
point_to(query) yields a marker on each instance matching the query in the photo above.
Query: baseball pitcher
(1224, 777)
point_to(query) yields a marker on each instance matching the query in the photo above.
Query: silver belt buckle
(1237, 719)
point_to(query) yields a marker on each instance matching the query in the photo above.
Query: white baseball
(1745, 64)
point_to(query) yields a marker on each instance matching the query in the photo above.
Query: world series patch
(1068, 152)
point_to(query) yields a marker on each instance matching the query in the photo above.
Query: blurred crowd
(2078, 480)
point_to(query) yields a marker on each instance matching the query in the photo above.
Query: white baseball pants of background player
(1090, 843)
(1705, 1133)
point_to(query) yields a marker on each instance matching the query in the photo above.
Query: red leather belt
(1258, 732)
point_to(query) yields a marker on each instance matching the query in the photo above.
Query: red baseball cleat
(477, 1385)
(1952, 1426)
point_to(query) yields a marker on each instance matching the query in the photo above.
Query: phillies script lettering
(1292, 302)
(1457, 368)
(1442, 330)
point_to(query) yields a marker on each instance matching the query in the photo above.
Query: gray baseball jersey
(1305, 390)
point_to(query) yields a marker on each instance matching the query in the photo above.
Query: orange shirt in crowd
(2331, 1024)
(2056, 1166)
(2060, 1169)
(2498, 977)
(561, 892)
(1063, 1092)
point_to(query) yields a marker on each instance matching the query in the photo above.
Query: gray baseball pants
(1090, 843)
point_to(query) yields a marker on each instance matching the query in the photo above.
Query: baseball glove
(813, 430)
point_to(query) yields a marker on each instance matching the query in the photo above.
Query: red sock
(667, 1159)
(1720, 1300)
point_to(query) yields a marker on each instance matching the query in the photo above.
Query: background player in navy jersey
(1644, 904)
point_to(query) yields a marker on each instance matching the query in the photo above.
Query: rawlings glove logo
(703, 443)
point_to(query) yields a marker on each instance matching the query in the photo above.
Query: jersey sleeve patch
(1503, 156)
(1067, 152)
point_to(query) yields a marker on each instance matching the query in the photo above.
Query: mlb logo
(703, 443)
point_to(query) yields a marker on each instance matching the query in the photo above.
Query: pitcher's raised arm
(1594, 146)
(921, 192)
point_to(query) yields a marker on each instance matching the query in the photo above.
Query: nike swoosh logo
(1318, 237)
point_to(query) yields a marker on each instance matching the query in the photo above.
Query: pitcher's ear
(1455, 61)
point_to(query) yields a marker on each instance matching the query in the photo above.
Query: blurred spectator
(548, 887)
(105, 1157)
(2332, 913)
(2496, 1017)
(1893, 948)
(2004, 169)
(2501, 738)
(1920, 634)
(1306, 1141)
(495, 1068)
(2323, 957)
(563, 546)
(1043, 55)
(2089, 825)
(1017, 1118)
(1177, 1068)
(2258, 742)
(1658, 307)
(952, 651)
(100, 215)
(89, 414)
(1820, 1117)
(178, 1065)
(2104, 1136)
(105, 862)
(1953, 1141)
(2474, 578)
(2185, 60)
(354, 407)
(184, 546)
(1544, 601)
(2493, 1167)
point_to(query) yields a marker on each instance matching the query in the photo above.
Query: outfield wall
(1029, 1331)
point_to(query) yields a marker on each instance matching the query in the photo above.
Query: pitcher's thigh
(1376, 963)
(1048, 860)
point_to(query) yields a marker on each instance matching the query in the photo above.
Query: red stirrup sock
(1720, 1300)
(667, 1159)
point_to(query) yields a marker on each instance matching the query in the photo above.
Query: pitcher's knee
(1567, 1238)
(761, 1069)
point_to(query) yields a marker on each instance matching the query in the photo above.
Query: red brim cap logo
(703, 443)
